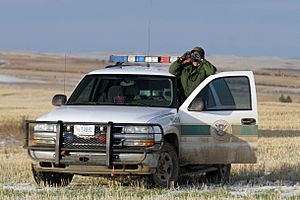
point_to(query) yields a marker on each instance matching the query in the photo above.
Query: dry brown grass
(15, 104)
(279, 144)
(278, 163)
(279, 116)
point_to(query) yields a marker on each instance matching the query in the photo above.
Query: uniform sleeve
(209, 68)
(176, 68)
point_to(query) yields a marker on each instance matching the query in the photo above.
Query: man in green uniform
(192, 68)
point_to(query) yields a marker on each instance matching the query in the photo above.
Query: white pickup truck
(126, 120)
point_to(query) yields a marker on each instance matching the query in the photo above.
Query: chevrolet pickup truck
(126, 119)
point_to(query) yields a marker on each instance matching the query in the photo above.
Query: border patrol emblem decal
(221, 128)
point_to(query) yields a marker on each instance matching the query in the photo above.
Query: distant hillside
(227, 62)
(274, 75)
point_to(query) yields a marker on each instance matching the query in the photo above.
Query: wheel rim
(165, 167)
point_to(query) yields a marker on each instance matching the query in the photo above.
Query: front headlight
(44, 134)
(45, 128)
(142, 129)
(141, 135)
(137, 129)
(43, 138)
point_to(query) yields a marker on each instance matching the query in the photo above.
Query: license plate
(84, 130)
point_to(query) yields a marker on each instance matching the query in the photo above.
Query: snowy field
(14, 79)
(235, 191)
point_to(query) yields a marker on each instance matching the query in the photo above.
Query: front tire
(51, 179)
(167, 167)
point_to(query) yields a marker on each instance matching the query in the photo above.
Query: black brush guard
(110, 146)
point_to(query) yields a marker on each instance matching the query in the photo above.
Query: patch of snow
(13, 140)
(286, 190)
(9, 140)
(25, 187)
(13, 79)
(18, 187)
(2, 142)
(2, 62)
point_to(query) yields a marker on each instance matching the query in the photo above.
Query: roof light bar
(144, 59)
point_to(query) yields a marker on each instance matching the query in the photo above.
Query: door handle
(248, 121)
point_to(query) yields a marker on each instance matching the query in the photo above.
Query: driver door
(219, 121)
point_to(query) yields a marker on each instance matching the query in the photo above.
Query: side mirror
(196, 105)
(59, 100)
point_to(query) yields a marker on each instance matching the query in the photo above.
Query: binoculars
(195, 56)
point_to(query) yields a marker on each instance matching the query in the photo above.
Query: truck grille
(97, 141)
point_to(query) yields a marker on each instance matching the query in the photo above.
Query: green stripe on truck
(204, 130)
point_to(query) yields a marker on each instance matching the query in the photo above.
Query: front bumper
(106, 160)
(93, 163)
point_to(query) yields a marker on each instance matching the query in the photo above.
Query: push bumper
(107, 160)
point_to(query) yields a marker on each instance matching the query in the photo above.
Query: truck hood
(116, 114)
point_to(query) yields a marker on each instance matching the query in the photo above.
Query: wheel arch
(172, 138)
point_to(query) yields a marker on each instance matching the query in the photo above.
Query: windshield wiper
(107, 103)
(137, 104)
(86, 103)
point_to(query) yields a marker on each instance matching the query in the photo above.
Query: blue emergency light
(119, 58)
(140, 59)
(143, 59)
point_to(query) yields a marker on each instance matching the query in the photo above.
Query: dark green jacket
(190, 76)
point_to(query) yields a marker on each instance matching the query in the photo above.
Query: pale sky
(222, 27)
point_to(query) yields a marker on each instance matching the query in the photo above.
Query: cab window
(226, 93)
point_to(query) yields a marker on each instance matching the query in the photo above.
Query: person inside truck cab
(191, 68)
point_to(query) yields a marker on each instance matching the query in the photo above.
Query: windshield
(129, 90)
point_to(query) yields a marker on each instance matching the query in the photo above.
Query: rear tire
(167, 167)
(51, 179)
(221, 175)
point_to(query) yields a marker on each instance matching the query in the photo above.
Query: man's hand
(185, 56)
